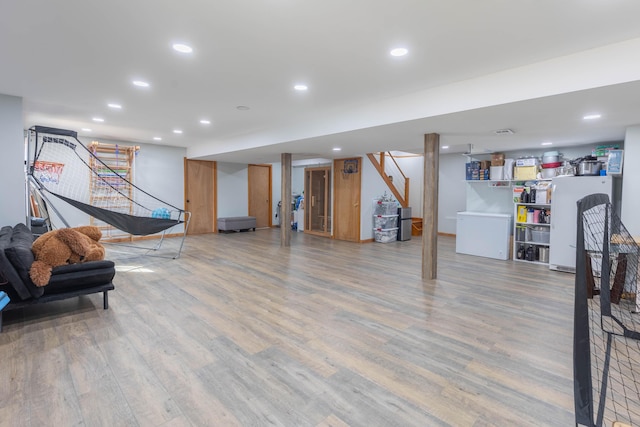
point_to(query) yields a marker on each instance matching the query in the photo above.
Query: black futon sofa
(66, 281)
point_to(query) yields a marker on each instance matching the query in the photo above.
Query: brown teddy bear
(64, 246)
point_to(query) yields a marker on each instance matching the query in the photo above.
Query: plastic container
(543, 254)
(540, 236)
(382, 235)
(496, 173)
(385, 221)
(530, 216)
(385, 208)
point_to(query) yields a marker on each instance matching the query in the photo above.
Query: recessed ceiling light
(182, 48)
(86, 129)
(140, 83)
(399, 51)
(205, 122)
(157, 138)
(444, 147)
(547, 143)
(115, 106)
(300, 87)
(337, 149)
(178, 131)
(98, 119)
(592, 117)
(242, 108)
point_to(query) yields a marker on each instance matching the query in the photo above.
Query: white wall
(233, 189)
(159, 170)
(452, 197)
(631, 181)
(297, 179)
(12, 190)
(413, 168)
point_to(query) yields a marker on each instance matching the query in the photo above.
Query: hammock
(65, 168)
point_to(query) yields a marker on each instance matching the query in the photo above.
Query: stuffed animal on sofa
(64, 246)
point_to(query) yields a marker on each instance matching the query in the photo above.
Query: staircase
(392, 175)
(397, 182)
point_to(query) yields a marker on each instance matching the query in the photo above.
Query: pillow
(7, 270)
(21, 256)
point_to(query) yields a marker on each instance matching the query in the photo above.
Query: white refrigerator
(565, 192)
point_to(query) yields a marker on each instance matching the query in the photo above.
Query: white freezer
(566, 191)
(484, 234)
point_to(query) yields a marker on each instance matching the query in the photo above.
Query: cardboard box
(543, 196)
(517, 194)
(525, 172)
(522, 214)
(485, 164)
(497, 159)
(472, 169)
(529, 161)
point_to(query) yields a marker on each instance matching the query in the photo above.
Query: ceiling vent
(503, 132)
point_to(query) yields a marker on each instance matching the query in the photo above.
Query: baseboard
(446, 234)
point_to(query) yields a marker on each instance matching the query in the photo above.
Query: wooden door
(200, 195)
(346, 206)
(317, 200)
(259, 177)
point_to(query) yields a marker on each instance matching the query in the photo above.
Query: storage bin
(385, 221)
(496, 173)
(385, 235)
(539, 236)
(385, 208)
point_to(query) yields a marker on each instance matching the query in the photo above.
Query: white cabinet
(532, 232)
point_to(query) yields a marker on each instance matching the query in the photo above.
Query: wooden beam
(430, 207)
(285, 209)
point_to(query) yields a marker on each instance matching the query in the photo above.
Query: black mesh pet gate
(606, 346)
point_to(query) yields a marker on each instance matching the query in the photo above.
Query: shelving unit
(120, 160)
(493, 183)
(531, 233)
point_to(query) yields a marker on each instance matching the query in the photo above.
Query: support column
(285, 209)
(430, 206)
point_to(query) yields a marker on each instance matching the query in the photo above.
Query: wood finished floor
(242, 332)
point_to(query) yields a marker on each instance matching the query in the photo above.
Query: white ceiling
(534, 66)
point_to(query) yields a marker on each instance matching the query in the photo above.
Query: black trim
(54, 131)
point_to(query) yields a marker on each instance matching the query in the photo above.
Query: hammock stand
(144, 214)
